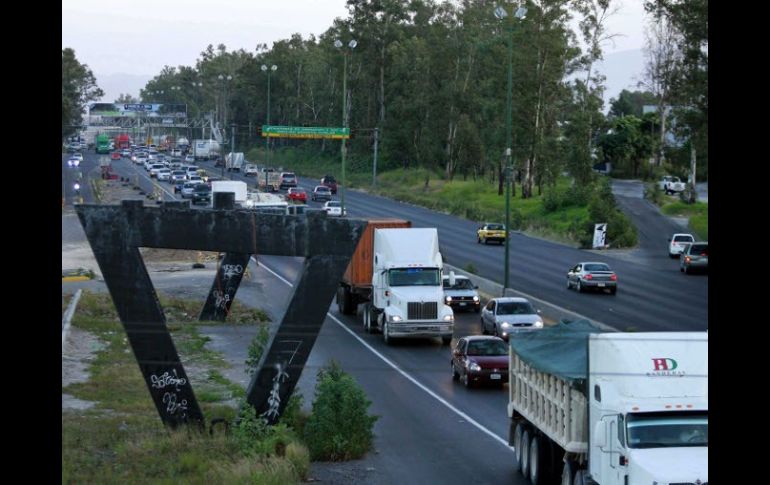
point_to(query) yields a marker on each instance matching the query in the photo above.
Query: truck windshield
(414, 277)
(663, 430)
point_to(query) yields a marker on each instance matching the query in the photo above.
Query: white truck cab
(407, 291)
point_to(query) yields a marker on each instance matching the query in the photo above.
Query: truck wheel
(367, 319)
(517, 433)
(568, 472)
(385, 333)
(525, 442)
(538, 461)
(580, 478)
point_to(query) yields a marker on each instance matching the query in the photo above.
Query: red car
(115, 155)
(297, 195)
(330, 182)
(480, 359)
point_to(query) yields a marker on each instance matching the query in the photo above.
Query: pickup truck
(671, 185)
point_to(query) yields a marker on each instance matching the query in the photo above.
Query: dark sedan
(480, 359)
(201, 193)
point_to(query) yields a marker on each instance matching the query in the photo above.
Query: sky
(127, 43)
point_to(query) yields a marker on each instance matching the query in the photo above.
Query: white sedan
(334, 208)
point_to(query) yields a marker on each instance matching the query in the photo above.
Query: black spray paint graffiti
(167, 380)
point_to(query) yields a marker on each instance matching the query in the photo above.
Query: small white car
(677, 243)
(187, 189)
(196, 179)
(250, 170)
(334, 208)
(164, 174)
(671, 185)
(155, 168)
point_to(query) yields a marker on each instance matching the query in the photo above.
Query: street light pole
(269, 71)
(500, 13)
(343, 149)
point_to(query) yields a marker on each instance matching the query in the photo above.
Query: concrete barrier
(489, 289)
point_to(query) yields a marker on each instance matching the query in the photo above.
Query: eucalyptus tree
(78, 88)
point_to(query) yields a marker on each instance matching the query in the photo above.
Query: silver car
(505, 316)
(187, 189)
(694, 256)
(589, 275)
(460, 293)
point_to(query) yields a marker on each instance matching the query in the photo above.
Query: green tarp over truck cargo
(561, 350)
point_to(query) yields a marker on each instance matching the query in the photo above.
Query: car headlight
(475, 298)
(505, 324)
(474, 367)
(448, 299)
(538, 324)
(394, 318)
(449, 318)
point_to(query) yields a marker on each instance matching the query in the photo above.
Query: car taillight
(614, 277)
(589, 277)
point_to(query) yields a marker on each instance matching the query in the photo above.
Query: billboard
(133, 110)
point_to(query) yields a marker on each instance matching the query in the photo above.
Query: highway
(431, 428)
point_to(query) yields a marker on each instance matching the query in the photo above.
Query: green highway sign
(305, 132)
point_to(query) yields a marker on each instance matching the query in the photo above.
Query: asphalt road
(652, 294)
(432, 429)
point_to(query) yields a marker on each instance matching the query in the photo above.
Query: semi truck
(610, 408)
(395, 272)
(122, 141)
(234, 161)
(183, 144)
(205, 149)
(103, 143)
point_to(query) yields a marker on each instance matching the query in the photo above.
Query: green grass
(697, 212)
(121, 439)
(475, 200)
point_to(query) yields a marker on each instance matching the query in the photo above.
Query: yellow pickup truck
(491, 232)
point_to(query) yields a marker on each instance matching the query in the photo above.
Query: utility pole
(374, 166)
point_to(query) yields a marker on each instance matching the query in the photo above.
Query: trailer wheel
(525, 442)
(517, 444)
(568, 473)
(538, 460)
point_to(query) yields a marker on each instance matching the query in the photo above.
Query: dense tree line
(431, 77)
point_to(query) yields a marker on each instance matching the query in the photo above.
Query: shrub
(249, 429)
(552, 200)
(339, 427)
(470, 268)
(256, 349)
(293, 415)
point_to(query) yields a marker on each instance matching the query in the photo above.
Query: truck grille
(422, 311)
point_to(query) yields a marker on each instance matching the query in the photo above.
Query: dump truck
(395, 273)
(610, 408)
(269, 181)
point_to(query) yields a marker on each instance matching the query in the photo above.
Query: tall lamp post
(269, 71)
(199, 85)
(224, 80)
(501, 14)
(351, 45)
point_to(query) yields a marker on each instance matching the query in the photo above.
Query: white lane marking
(403, 373)
(68, 317)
